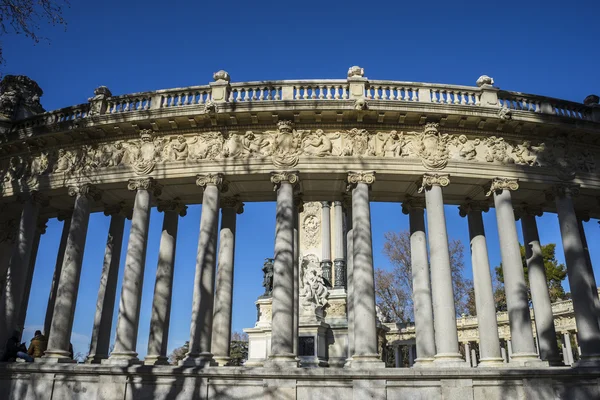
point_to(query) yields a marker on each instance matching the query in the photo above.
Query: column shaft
(163, 290)
(339, 263)
(590, 269)
(540, 297)
(350, 284)
(326, 263)
(444, 312)
(204, 279)
(296, 274)
(68, 284)
(489, 341)
(221, 337)
(55, 278)
(41, 229)
(588, 331)
(107, 291)
(523, 345)
(422, 305)
(133, 277)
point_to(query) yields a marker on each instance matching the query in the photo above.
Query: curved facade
(347, 141)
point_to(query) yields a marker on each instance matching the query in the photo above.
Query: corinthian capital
(87, 190)
(429, 180)
(500, 184)
(412, 203)
(211, 180)
(35, 197)
(561, 190)
(232, 202)
(172, 205)
(473, 206)
(528, 209)
(356, 177)
(149, 184)
(118, 209)
(277, 177)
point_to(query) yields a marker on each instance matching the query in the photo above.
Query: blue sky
(547, 48)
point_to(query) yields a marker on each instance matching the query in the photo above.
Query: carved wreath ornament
(285, 146)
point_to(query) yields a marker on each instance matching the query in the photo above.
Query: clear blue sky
(548, 48)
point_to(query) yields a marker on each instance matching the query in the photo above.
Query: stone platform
(90, 382)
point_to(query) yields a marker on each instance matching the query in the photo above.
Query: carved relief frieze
(311, 224)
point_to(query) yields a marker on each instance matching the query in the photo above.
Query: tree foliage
(393, 289)
(179, 353)
(25, 17)
(238, 350)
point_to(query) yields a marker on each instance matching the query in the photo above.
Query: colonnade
(435, 319)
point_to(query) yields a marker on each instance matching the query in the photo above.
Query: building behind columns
(322, 151)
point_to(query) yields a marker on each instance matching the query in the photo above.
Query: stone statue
(484, 80)
(392, 144)
(356, 71)
(97, 103)
(179, 148)
(255, 145)
(497, 150)
(19, 97)
(467, 149)
(524, 154)
(268, 277)
(206, 146)
(313, 292)
(317, 144)
(358, 144)
(64, 162)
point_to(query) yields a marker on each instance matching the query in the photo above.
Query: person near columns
(221, 337)
(282, 336)
(99, 345)
(10, 302)
(163, 287)
(204, 280)
(489, 341)
(128, 320)
(423, 310)
(580, 279)
(517, 303)
(65, 216)
(365, 333)
(68, 284)
(538, 285)
(444, 311)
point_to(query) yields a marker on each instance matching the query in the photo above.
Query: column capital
(36, 198)
(562, 189)
(528, 209)
(149, 184)
(62, 215)
(41, 225)
(217, 180)
(87, 190)
(325, 204)
(174, 205)
(500, 184)
(118, 209)
(232, 202)
(356, 177)
(412, 203)
(338, 203)
(277, 177)
(473, 206)
(429, 180)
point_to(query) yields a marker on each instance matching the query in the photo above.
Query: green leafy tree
(555, 274)
(179, 353)
(393, 289)
(239, 348)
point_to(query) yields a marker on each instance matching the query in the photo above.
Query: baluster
(322, 92)
(313, 92)
(277, 90)
(336, 92)
(469, 98)
(147, 103)
(305, 92)
(255, 94)
(126, 108)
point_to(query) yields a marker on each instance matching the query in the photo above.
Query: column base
(367, 361)
(95, 358)
(254, 363)
(348, 363)
(56, 356)
(156, 360)
(222, 361)
(491, 362)
(527, 360)
(202, 360)
(282, 361)
(592, 361)
(123, 358)
(312, 362)
(424, 362)
(449, 360)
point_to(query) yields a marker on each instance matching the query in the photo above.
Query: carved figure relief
(358, 143)
(318, 144)
(145, 153)
(179, 149)
(286, 146)
(432, 147)
(313, 292)
(311, 224)
(467, 149)
(526, 154)
(206, 146)
(390, 145)
(497, 150)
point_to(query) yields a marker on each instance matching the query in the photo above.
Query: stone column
(163, 286)
(411, 355)
(221, 338)
(365, 333)
(349, 280)
(204, 279)
(19, 263)
(397, 357)
(282, 351)
(66, 217)
(468, 354)
(41, 229)
(339, 262)
(444, 312)
(538, 284)
(297, 210)
(68, 283)
(474, 358)
(489, 341)
(326, 264)
(124, 352)
(568, 349)
(523, 345)
(107, 291)
(580, 280)
(581, 217)
(8, 236)
(423, 309)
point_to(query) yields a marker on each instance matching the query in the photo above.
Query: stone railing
(354, 87)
